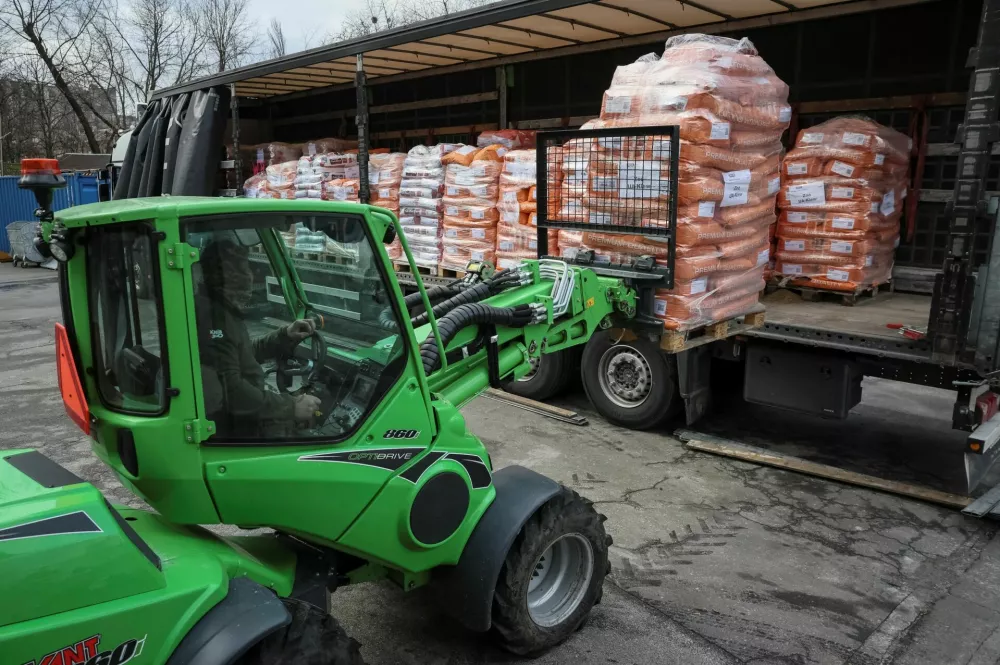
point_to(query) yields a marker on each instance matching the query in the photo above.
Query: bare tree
(52, 28)
(276, 39)
(374, 16)
(228, 32)
(427, 9)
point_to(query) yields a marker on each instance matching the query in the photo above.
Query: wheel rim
(560, 579)
(534, 362)
(625, 376)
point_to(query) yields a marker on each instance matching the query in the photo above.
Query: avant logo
(85, 652)
(401, 434)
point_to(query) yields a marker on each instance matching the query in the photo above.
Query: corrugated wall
(18, 205)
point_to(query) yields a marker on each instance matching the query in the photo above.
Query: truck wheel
(632, 383)
(553, 575)
(549, 376)
(312, 638)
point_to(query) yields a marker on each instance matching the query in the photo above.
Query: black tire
(552, 377)
(662, 399)
(312, 638)
(566, 514)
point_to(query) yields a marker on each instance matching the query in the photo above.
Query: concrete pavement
(715, 561)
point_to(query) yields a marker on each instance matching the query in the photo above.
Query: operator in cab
(236, 396)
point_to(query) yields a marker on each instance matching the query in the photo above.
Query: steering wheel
(289, 366)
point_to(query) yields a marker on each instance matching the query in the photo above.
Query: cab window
(126, 318)
(297, 334)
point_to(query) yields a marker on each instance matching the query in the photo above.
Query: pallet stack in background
(732, 110)
(841, 201)
(471, 191)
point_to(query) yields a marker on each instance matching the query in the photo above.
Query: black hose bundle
(500, 281)
(454, 321)
(435, 293)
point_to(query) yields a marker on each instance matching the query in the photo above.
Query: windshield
(297, 336)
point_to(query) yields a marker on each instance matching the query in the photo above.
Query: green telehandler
(223, 388)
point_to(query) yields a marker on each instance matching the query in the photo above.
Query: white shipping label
(669, 100)
(478, 190)
(660, 307)
(720, 131)
(479, 168)
(465, 179)
(797, 217)
(373, 177)
(478, 214)
(840, 168)
(699, 285)
(384, 193)
(842, 193)
(506, 245)
(773, 185)
(509, 216)
(640, 180)
(812, 137)
(807, 194)
(608, 142)
(479, 233)
(837, 275)
(352, 172)
(785, 114)
(842, 223)
(737, 177)
(796, 168)
(311, 149)
(868, 261)
(888, 203)
(621, 104)
(604, 184)
(466, 150)
(706, 208)
(533, 244)
(476, 256)
(879, 159)
(734, 195)
(451, 210)
(450, 249)
(841, 246)
(660, 149)
(853, 138)
(763, 256)
(452, 191)
(791, 269)
(600, 218)
(451, 233)
(795, 245)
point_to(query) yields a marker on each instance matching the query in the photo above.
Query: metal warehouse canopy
(513, 31)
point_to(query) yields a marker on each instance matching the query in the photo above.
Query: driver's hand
(299, 330)
(306, 407)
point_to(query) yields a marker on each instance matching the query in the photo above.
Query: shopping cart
(22, 243)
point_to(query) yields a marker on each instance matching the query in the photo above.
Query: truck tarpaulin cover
(841, 199)
(731, 109)
(176, 146)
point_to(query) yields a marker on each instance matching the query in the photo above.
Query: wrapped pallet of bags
(517, 230)
(420, 190)
(731, 109)
(308, 181)
(840, 205)
(471, 190)
(512, 139)
(385, 172)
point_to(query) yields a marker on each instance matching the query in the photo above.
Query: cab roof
(169, 207)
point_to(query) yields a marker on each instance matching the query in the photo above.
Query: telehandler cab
(223, 388)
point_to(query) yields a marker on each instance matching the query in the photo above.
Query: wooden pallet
(455, 274)
(323, 257)
(673, 341)
(428, 271)
(859, 296)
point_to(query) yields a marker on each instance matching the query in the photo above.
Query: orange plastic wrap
(457, 255)
(462, 155)
(470, 234)
(512, 139)
(340, 190)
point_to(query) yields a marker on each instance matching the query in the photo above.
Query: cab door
(310, 292)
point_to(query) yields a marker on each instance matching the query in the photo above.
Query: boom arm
(593, 301)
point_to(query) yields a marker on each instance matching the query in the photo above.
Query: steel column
(361, 120)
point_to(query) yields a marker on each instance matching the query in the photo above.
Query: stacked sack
(341, 174)
(732, 110)
(420, 204)
(471, 189)
(841, 202)
(517, 231)
(385, 172)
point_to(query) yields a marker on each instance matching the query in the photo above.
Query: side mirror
(390, 235)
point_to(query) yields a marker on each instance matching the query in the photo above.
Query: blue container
(18, 205)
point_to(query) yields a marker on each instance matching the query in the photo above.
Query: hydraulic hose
(500, 281)
(454, 321)
(434, 293)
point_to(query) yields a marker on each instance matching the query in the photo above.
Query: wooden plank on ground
(540, 408)
(769, 458)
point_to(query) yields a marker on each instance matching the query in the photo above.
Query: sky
(305, 22)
